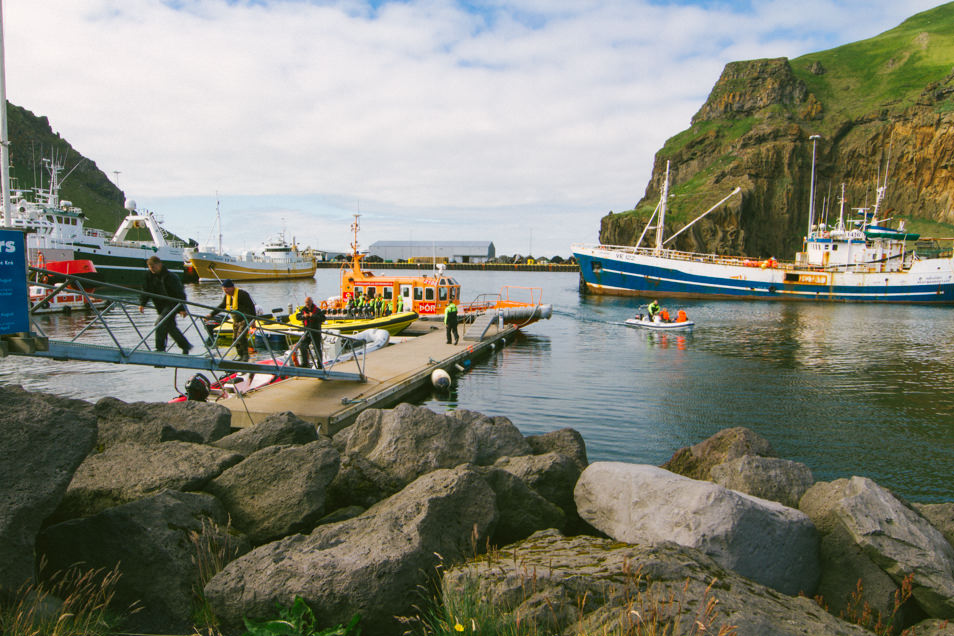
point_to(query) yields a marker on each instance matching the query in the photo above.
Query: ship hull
(215, 269)
(116, 265)
(638, 273)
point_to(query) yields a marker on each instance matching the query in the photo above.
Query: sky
(521, 122)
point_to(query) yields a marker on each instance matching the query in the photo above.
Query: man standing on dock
(161, 282)
(311, 316)
(239, 304)
(450, 321)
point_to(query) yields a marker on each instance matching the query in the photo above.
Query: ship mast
(662, 211)
(811, 200)
(4, 139)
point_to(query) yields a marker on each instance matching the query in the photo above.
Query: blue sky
(521, 122)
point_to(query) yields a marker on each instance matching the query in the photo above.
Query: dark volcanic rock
(278, 490)
(126, 472)
(145, 422)
(770, 478)
(371, 564)
(696, 461)
(281, 428)
(153, 542)
(43, 439)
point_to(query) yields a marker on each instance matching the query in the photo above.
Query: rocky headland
(725, 535)
(884, 111)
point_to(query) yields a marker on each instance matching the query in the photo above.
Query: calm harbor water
(846, 389)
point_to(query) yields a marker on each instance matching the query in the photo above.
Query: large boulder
(372, 564)
(155, 543)
(127, 472)
(696, 461)
(552, 584)
(762, 540)
(43, 439)
(403, 443)
(565, 441)
(278, 490)
(521, 510)
(146, 422)
(552, 474)
(360, 482)
(892, 535)
(772, 478)
(281, 428)
(941, 516)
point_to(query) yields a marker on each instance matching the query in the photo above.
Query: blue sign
(14, 298)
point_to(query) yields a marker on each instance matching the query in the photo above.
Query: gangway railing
(121, 339)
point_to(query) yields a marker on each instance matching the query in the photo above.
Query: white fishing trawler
(56, 231)
(862, 260)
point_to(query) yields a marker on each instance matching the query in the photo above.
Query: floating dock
(392, 373)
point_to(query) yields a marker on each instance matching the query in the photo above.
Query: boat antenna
(841, 209)
(4, 139)
(218, 220)
(811, 201)
(662, 211)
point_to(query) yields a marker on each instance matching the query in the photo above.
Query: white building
(449, 251)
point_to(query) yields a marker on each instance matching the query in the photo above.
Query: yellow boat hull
(248, 270)
(394, 324)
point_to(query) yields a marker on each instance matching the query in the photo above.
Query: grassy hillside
(888, 71)
(32, 141)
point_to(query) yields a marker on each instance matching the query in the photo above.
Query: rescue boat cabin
(427, 295)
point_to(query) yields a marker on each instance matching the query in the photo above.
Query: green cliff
(883, 102)
(32, 141)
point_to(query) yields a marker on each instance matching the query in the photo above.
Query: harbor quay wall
(406, 499)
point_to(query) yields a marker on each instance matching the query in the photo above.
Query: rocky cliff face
(754, 132)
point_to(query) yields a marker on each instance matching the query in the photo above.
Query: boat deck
(392, 373)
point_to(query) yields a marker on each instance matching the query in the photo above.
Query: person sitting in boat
(653, 309)
(311, 316)
(682, 316)
(664, 315)
(239, 304)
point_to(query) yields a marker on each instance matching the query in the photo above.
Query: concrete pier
(392, 373)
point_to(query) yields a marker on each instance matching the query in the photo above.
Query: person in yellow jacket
(239, 304)
(450, 321)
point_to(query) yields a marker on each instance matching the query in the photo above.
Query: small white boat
(659, 324)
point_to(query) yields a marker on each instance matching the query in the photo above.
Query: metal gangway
(114, 308)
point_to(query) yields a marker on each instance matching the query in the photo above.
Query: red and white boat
(69, 298)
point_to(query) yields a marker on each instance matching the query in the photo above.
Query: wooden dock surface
(392, 373)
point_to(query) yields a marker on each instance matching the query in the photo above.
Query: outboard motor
(198, 388)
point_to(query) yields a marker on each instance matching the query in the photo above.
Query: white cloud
(523, 117)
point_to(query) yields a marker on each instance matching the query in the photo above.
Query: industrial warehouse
(431, 251)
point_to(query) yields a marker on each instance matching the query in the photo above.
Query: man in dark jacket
(311, 316)
(239, 304)
(161, 282)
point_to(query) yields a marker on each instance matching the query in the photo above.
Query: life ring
(294, 358)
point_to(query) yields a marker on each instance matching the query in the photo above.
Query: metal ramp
(116, 336)
(478, 329)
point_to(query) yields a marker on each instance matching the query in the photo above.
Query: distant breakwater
(544, 267)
